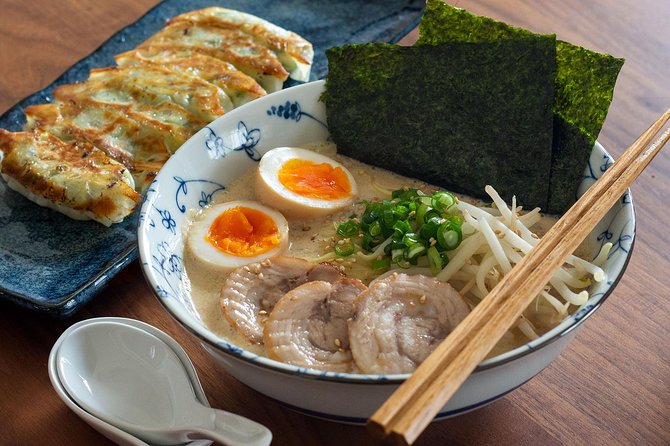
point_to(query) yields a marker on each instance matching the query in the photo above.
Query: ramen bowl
(218, 154)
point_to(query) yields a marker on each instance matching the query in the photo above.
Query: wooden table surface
(612, 384)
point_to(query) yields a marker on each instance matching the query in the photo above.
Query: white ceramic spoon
(135, 381)
(115, 434)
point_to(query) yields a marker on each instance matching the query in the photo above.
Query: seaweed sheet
(460, 115)
(584, 87)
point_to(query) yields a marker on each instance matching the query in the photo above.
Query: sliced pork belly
(251, 292)
(400, 320)
(308, 325)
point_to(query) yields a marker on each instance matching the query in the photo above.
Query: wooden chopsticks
(403, 417)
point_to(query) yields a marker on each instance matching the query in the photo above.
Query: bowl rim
(569, 324)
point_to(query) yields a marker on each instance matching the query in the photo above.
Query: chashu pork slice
(139, 145)
(240, 87)
(76, 179)
(230, 45)
(294, 52)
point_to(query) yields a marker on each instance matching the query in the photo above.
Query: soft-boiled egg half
(302, 183)
(236, 233)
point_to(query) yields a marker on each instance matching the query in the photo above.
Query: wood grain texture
(612, 384)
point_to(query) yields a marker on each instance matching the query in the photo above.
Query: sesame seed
(263, 312)
(260, 276)
(422, 299)
(338, 342)
(246, 268)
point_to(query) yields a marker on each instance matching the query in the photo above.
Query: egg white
(270, 191)
(202, 250)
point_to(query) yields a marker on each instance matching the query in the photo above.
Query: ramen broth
(310, 239)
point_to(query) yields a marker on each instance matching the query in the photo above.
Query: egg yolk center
(243, 232)
(312, 180)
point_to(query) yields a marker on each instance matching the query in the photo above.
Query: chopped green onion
(429, 229)
(434, 260)
(382, 263)
(426, 199)
(456, 219)
(449, 236)
(366, 242)
(401, 212)
(347, 228)
(415, 251)
(421, 212)
(404, 194)
(402, 262)
(410, 239)
(401, 228)
(443, 201)
(375, 228)
(387, 217)
(345, 248)
(432, 213)
(397, 253)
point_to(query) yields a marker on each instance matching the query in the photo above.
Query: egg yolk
(312, 180)
(243, 232)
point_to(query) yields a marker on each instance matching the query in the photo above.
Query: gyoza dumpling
(240, 87)
(294, 52)
(75, 179)
(230, 45)
(140, 146)
(179, 122)
(150, 84)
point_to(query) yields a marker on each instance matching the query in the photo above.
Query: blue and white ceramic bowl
(222, 151)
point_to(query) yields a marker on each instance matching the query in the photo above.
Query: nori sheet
(460, 115)
(584, 87)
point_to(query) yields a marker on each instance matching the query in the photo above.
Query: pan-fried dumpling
(140, 146)
(230, 45)
(294, 52)
(75, 179)
(150, 84)
(174, 119)
(240, 87)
